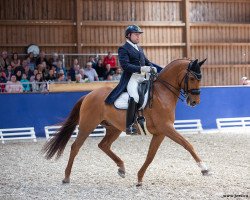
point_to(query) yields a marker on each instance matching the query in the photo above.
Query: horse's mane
(172, 62)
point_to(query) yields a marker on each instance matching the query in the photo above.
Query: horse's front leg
(154, 146)
(178, 138)
(112, 134)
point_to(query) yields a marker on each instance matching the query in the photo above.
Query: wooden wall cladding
(215, 29)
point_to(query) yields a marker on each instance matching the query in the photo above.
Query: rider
(135, 64)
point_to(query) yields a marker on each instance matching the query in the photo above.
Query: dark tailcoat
(131, 61)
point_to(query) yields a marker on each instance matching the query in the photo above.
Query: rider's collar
(132, 44)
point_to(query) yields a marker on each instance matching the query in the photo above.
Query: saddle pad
(122, 101)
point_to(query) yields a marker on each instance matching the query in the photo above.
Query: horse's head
(190, 83)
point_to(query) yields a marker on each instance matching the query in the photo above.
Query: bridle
(185, 91)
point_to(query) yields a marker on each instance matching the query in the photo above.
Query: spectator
(31, 61)
(3, 80)
(51, 76)
(13, 86)
(110, 59)
(108, 73)
(117, 75)
(54, 60)
(42, 58)
(93, 60)
(4, 61)
(28, 72)
(84, 76)
(9, 72)
(61, 77)
(91, 73)
(19, 75)
(74, 70)
(32, 78)
(79, 79)
(38, 84)
(15, 62)
(25, 83)
(100, 70)
(245, 81)
(60, 67)
(20, 67)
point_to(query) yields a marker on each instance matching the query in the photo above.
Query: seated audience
(18, 75)
(84, 76)
(31, 60)
(14, 86)
(245, 81)
(54, 59)
(38, 84)
(74, 70)
(42, 58)
(25, 83)
(51, 76)
(60, 67)
(3, 79)
(28, 72)
(79, 79)
(93, 60)
(91, 73)
(108, 73)
(15, 62)
(117, 75)
(100, 70)
(110, 59)
(4, 60)
(61, 77)
(9, 72)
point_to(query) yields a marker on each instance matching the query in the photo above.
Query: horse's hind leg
(112, 134)
(74, 151)
(154, 145)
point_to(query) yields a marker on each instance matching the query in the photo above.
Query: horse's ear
(195, 62)
(202, 62)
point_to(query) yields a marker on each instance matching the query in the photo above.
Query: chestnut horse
(91, 110)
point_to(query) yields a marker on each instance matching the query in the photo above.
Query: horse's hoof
(139, 184)
(121, 173)
(206, 172)
(66, 180)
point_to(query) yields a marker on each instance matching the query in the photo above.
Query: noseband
(185, 91)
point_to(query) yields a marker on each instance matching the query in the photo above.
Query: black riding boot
(132, 106)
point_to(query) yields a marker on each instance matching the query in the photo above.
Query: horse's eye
(192, 78)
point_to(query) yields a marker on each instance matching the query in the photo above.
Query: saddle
(143, 91)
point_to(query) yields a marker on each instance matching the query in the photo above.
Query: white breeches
(132, 86)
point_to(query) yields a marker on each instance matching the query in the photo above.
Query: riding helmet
(132, 29)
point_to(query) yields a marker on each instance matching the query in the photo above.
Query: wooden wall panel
(219, 30)
(216, 11)
(37, 10)
(114, 10)
(221, 55)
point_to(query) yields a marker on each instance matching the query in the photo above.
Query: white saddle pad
(122, 101)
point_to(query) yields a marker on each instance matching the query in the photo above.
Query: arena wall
(39, 110)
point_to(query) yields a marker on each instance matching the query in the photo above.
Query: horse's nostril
(193, 103)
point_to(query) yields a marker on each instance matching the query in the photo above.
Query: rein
(185, 91)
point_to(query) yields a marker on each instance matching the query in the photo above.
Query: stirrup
(131, 130)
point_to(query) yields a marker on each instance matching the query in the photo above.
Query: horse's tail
(57, 143)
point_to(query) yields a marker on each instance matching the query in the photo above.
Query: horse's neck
(168, 87)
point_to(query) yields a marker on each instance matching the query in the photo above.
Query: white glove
(154, 70)
(145, 69)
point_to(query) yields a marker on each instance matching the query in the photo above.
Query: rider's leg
(132, 89)
(132, 107)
